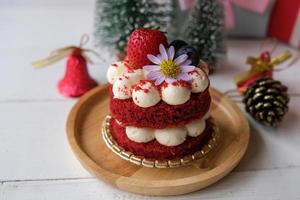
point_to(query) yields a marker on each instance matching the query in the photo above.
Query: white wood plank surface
(35, 159)
(266, 184)
(33, 142)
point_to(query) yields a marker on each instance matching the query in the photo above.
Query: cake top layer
(154, 70)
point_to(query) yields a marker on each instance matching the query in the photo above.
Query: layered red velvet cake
(159, 98)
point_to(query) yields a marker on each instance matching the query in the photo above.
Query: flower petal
(184, 76)
(151, 67)
(180, 59)
(163, 52)
(187, 62)
(154, 75)
(170, 80)
(160, 80)
(171, 52)
(187, 68)
(159, 57)
(154, 59)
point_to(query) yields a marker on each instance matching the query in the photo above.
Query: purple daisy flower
(166, 68)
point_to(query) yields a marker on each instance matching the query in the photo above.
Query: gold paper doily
(139, 160)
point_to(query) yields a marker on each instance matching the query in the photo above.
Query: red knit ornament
(77, 80)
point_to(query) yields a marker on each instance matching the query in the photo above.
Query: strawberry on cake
(159, 98)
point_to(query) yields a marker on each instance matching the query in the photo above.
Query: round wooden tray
(84, 134)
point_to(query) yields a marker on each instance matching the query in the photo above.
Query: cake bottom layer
(154, 150)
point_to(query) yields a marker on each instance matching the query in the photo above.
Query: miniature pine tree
(116, 19)
(204, 31)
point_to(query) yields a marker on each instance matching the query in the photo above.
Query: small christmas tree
(116, 19)
(204, 31)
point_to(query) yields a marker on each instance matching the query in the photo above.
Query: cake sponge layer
(162, 115)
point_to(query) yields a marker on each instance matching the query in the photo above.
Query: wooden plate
(84, 135)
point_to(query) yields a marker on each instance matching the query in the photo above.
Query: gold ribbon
(61, 53)
(259, 66)
(55, 56)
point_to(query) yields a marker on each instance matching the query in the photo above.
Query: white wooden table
(36, 161)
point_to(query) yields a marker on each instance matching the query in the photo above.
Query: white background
(36, 161)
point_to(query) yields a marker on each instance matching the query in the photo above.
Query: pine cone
(266, 100)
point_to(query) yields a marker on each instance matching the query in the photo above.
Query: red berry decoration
(191, 52)
(142, 42)
(177, 44)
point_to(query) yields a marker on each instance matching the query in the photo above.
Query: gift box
(285, 22)
(247, 18)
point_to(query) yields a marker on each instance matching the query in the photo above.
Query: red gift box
(285, 22)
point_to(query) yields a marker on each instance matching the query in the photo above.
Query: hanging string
(267, 41)
(84, 40)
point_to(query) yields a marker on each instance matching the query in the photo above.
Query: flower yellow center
(169, 68)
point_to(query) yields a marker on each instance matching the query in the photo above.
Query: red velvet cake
(154, 150)
(159, 98)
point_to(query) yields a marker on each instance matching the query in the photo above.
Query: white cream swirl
(168, 136)
(145, 94)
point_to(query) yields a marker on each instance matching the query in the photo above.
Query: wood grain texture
(84, 134)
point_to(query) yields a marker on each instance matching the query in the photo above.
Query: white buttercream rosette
(167, 136)
(133, 84)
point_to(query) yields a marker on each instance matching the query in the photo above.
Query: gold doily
(139, 160)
